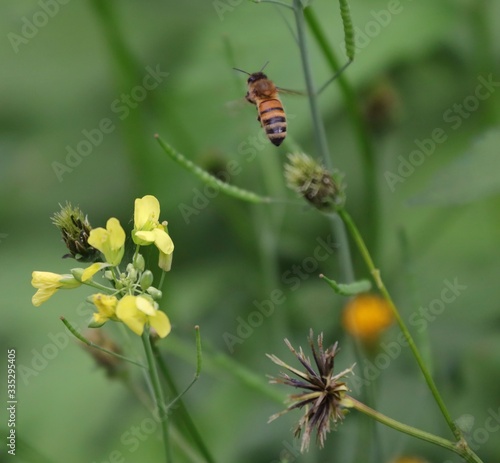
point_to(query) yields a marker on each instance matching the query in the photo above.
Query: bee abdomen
(273, 120)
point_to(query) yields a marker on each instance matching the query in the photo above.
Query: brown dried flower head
(322, 391)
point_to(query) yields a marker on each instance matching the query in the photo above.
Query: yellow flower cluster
(128, 301)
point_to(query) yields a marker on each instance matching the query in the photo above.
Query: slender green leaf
(350, 289)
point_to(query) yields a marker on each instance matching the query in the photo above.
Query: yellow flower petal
(48, 283)
(116, 233)
(44, 279)
(106, 305)
(145, 306)
(97, 238)
(90, 271)
(160, 323)
(146, 212)
(127, 312)
(146, 237)
(165, 261)
(163, 241)
(110, 241)
(42, 295)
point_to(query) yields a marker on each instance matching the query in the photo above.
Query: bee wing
(290, 92)
(233, 107)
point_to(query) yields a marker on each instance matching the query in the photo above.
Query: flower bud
(131, 272)
(139, 263)
(77, 273)
(146, 279)
(154, 293)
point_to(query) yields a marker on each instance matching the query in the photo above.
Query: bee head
(256, 76)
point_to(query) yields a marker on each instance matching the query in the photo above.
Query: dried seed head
(75, 229)
(322, 391)
(323, 189)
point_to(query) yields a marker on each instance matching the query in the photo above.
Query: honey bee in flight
(264, 95)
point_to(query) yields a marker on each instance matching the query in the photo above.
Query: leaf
(471, 177)
(350, 289)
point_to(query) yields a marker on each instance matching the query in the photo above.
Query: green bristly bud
(75, 229)
(322, 188)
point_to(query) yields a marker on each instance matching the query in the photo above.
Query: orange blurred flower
(366, 316)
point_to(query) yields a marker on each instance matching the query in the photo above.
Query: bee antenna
(263, 67)
(241, 70)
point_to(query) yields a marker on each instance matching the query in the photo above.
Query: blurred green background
(66, 77)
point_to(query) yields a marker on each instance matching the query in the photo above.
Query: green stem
(318, 125)
(456, 447)
(385, 293)
(83, 339)
(181, 409)
(358, 124)
(128, 75)
(157, 391)
(338, 228)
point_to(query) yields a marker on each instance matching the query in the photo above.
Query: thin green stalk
(320, 136)
(83, 339)
(157, 391)
(319, 128)
(456, 447)
(181, 409)
(385, 293)
(127, 75)
(358, 124)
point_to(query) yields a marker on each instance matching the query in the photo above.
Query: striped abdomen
(273, 120)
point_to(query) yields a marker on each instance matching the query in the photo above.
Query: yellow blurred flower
(366, 316)
(106, 306)
(148, 230)
(110, 241)
(47, 283)
(136, 311)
